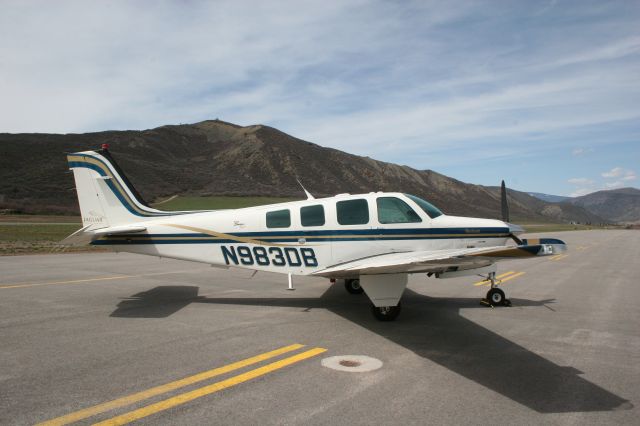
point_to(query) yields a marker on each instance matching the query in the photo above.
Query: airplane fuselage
(302, 237)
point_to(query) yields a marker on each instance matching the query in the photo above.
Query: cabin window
(312, 215)
(428, 208)
(394, 210)
(353, 212)
(279, 219)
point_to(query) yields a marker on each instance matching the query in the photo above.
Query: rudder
(105, 195)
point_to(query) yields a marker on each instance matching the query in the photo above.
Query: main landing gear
(386, 313)
(384, 291)
(495, 296)
(353, 286)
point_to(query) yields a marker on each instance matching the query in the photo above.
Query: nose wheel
(495, 296)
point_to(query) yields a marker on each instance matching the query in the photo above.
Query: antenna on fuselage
(309, 196)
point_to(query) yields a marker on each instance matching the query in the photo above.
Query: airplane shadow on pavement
(434, 329)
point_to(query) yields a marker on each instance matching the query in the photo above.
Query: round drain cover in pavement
(352, 363)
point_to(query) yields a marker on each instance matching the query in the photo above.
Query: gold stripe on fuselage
(226, 236)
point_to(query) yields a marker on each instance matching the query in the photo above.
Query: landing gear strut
(495, 296)
(353, 286)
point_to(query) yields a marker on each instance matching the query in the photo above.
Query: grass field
(216, 203)
(556, 227)
(30, 237)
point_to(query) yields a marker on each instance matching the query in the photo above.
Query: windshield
(431, 210)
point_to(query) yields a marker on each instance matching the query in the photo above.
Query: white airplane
(371, 241)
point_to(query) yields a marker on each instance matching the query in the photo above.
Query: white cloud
(613, 185)
(619, 172)
(613, 173)
(579, 152)
(582, 191)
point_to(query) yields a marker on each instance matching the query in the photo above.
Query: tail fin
(106, 196)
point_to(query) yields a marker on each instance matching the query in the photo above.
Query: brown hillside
(218, 158)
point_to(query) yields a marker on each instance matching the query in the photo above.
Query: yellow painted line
(555, 257)
(158, 390)
(519, 274)
(207, 390)
(485, 282)
(87, 280)
(503, 280)
(560, 257)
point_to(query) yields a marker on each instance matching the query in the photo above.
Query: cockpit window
(428, 208)
(394, 210)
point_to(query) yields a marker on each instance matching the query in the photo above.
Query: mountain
(548, 197)
(218, 158)
(615, 205)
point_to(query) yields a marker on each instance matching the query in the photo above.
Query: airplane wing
(438, 261)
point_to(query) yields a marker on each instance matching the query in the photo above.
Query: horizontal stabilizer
(114, 230)
(78, 238)
(84, 236)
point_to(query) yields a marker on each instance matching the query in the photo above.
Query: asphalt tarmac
(114, 338)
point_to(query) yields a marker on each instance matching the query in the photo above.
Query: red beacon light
(105, 146)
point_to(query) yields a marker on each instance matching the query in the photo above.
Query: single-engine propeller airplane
(371, 241)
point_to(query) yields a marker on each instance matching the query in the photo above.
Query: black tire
(353, 286)
(496, 297)
(386, 313)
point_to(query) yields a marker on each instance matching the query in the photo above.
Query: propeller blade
(504, 203)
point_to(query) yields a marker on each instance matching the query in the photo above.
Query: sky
(543, 94)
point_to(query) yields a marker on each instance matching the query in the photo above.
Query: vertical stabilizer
(106, 196)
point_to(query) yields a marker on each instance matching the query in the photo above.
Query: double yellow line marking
(558, 257)
(191, 395)
(502, 277)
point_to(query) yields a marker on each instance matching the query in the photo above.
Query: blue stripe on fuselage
(310, 236)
